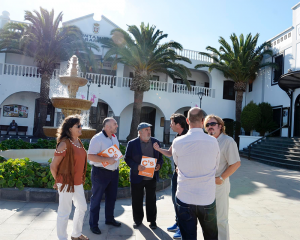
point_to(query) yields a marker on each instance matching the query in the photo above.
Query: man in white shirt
(105, 179)
(229, 163)
(197, 157)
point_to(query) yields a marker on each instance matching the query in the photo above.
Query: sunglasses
(211, 124)
(79, 126)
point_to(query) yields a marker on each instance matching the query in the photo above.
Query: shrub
(266, 123)
(22, 173)
(250, 116)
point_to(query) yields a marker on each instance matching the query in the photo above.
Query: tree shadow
(252, 176)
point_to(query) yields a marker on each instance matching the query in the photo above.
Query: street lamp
(88, 86)
(200, 95)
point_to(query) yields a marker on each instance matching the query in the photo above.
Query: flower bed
(22, 172)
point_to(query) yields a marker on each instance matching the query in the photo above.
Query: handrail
(250, 145)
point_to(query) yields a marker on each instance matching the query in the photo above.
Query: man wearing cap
(136, 148)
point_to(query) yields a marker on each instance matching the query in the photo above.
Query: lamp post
(200, 95)
(88, 86)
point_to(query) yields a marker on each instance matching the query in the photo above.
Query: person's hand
(219, 181)
(111, 161)
(157, 167)
(156, 146)
(141, 168)
(176, 169)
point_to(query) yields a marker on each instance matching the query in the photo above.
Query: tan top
(229, 153)
(79, 163)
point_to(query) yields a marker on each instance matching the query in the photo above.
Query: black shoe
(153, 225)
(114, 223)
(136, 225)
(95, 230)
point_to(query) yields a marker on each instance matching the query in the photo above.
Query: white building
(286, 108)
(20, 86)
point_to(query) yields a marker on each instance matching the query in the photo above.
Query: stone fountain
(71, 105)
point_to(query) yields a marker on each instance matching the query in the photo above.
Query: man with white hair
(136, 148)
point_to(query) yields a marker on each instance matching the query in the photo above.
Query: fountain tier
(70, 106)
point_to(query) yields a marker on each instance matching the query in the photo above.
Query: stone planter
(245, 141)
(51, 195)
(36, 155)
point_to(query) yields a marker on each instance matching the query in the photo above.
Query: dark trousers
(16, 129)
(187, 219)
(174, 189)
(103, 181)
(137, 194)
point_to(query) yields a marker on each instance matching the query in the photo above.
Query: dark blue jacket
(133, 158)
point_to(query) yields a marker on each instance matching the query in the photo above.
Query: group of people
(200, 182)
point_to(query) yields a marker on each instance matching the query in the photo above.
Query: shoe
(95, 230)
(177, 235)
(173, 228)
(153, 225)
(81, 237)
(114, 223)
(136, 225)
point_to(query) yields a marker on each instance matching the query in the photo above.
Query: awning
(289, 81)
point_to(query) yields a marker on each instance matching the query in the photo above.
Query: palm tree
(48, 44)
(239, 62)
(144, 54)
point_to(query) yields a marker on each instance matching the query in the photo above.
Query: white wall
(22, 98)
(126, 118)
(19, 59)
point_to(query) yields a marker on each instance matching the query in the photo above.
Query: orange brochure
(112, 151)
(150, 164)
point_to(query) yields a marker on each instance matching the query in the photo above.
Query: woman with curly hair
(68, 168)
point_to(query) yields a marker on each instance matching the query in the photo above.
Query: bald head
(195, 117)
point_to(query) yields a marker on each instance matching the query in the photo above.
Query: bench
(20, 129)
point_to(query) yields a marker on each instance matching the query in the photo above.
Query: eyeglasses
(211, 124)
(79, 126)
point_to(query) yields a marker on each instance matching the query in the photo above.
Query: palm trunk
(136, 114)
(44, 98)
(238, 111)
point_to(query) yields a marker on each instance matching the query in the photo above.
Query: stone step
(277, 149)
(281, 160)
(277, 154)
(283, 144)
(276, 164)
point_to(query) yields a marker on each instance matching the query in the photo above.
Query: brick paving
(264, 204)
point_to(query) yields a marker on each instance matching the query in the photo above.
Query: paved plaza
(264, 204)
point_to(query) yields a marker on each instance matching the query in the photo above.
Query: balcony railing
(183, 89)
(109, 80)
(193, 55)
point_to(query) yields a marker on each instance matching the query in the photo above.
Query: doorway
(97, 115)
(148, 115)
(297, 117)
(50, 114)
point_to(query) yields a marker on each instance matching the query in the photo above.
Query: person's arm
(129, 160)
(160, 160)
(97, 158)
(165, 152)
(94, 148)
(57, 159)
(233, 159)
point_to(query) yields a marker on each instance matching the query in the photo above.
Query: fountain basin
(67, 80)
(71, 103)
(86, 133)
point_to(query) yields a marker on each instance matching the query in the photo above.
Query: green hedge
(22, 173)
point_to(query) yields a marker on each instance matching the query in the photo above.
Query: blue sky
(193, 23)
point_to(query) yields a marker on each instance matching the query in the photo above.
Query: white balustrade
(21, 70)
(183, 89)
(158, 86)
(193, 55)
(126, 82)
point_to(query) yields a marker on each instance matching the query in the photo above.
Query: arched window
(228, 90)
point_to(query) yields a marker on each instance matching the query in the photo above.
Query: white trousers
(222, 202)
(64, 210)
